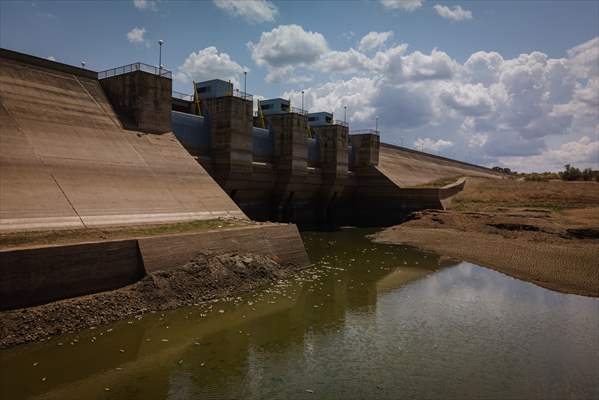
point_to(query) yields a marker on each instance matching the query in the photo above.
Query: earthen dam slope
(66, 161)
(406, 167)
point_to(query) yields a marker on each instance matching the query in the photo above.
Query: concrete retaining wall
(282, 241)
(41, 275)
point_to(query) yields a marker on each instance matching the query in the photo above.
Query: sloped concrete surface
(66, 161)
(407, 167)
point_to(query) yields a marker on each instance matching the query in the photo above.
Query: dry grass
(440, 182)
(43, 238)
(498, 194)
(541, 232)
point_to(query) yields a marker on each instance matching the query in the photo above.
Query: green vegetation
(574, 174)
(40, 238)
(569, 173)
(502, 170)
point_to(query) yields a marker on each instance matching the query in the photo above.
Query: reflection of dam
(228, 341)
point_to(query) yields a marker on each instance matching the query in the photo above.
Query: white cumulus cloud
(583, 153)
(456, 13)
(287, 46)
(491, 109)
(428, 144)
(405, 5)
(146, 4)
(251, 10)
(136, 35)
(374, 40)
(355, 93)
(208, 64)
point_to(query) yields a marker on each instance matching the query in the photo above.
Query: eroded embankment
(533, 245)
(205, 277)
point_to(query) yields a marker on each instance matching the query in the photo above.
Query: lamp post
(160, 43)
(345, 114)
(302, 101)
(376, 124)
(245, 84)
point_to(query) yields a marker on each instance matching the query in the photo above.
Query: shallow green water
(368, 322)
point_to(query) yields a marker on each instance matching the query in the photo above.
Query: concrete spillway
(66, 160)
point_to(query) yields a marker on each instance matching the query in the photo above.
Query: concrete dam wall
(293, 170)
(80, 148)
(407, 167)
(67, 160)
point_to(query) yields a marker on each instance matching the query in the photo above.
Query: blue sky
(446, 77)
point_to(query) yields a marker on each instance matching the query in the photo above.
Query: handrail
(242, 94)
(338, 122)
(125, 69)
(298, 110)
(182, 96)
(365, 131)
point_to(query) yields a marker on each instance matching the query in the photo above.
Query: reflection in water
(369, 322)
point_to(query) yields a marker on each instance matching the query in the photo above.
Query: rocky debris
(205, 277)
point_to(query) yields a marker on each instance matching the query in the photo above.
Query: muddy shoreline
(204, 278)
(531, 245)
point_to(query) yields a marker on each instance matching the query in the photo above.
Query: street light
(345, 114)
(302, 101)
(245, 84)
(160, 43)
(376, 129)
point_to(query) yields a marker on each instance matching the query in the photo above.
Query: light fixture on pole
(160, 43)
(345, 114)
(245, 84)
(376, 129)
(302, 101)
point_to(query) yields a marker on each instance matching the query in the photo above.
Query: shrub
(570, 173)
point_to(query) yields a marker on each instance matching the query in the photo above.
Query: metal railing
(125, 69)
(242, 94)
(338, 122)
(365, 131)
(182, 96)
(298, 110)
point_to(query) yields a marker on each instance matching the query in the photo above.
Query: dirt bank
(542, 232)
(205, 277)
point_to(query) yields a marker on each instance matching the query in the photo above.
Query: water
(370, 322)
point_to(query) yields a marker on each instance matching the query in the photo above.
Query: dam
(81, 149)
(84, 151)
(282, 163)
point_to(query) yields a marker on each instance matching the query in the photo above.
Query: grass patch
(49, 237)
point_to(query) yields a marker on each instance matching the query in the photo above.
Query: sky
(511, 84)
